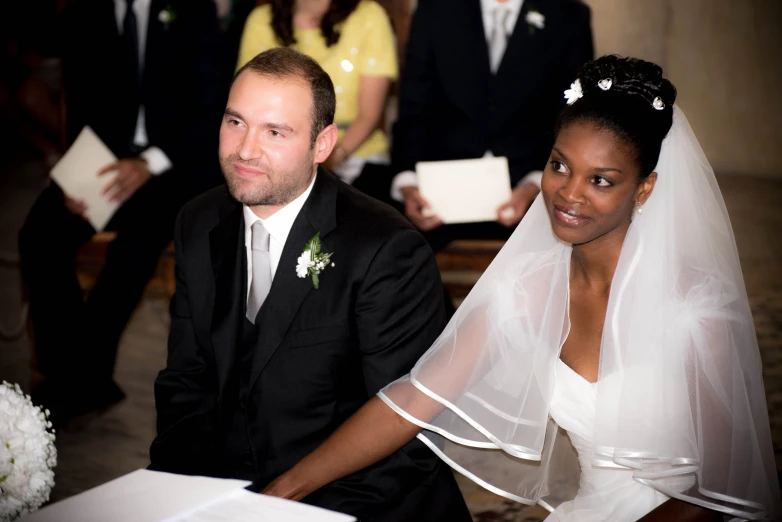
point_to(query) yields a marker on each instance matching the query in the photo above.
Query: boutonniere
(312, 262)
(166, 16)
(535, 20)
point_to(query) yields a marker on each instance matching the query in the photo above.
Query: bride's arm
(374, 432)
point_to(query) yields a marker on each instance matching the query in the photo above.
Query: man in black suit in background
(265, 361)
(145, 76)
(485, 77)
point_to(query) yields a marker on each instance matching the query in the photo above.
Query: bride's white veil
(680, 395)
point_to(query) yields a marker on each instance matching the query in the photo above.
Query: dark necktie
(130, 43)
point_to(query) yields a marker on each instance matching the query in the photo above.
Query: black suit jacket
(452, 107)
(183, 89)
(320, 354)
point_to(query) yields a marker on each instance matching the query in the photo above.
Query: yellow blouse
(366, 47)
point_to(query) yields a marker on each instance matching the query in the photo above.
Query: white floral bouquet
(27, 454)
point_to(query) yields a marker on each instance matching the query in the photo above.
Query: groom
(263, 363)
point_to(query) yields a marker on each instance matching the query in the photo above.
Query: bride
(616, 312)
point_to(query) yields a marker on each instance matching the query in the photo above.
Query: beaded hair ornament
(575, 92)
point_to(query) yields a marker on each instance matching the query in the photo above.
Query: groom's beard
(277, 188)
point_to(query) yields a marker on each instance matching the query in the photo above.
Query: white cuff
(407, 178)
(533, 177)
(157, 161)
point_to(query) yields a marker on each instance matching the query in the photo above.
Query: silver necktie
(262, 275)
(498, 39)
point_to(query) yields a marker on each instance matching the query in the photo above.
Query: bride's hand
(289, 486)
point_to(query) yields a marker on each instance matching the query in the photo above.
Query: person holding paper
(144, 76)
(616, 312)
(482, 78)
(297, 299)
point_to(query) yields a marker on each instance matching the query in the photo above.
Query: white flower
(27, 454)
(605, 84)
(164, 16)
(658, 104)
(312, 261)
(303, 264)
(536, 19)
(574, 93)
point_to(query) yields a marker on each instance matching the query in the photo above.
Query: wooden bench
(463, 262)
(92, 256)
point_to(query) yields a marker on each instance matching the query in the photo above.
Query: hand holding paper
(131, 175)
(76, 174)
(419, 211)
(511, 212)
(465, 191)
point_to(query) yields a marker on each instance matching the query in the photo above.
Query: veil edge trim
(453, 438)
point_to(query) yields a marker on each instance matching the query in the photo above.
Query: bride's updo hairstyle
(627, 96)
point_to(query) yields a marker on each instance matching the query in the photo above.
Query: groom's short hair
(284, 62)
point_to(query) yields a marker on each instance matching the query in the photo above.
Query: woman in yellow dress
(352, 40)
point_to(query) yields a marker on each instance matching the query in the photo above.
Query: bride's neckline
(574, 372)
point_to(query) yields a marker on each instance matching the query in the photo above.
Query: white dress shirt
(279, 226)
(157, 161)
(408, 177)
(513, 7)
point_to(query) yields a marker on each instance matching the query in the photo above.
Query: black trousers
(75, 338)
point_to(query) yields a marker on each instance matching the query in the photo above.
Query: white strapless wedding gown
(604, 494)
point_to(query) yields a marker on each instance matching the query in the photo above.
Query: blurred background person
(485, 78)
(29, 80)
(354, 43)
(145, 76)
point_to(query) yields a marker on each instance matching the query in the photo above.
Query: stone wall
(724, 57)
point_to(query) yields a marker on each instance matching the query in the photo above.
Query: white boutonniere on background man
(27, 454)
(535, 20)
(312, 262)
(166, 16)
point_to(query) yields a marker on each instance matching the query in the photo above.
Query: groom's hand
(418, 210)
(132, 174)
(510, 213)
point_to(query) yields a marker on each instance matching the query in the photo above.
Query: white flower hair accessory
(658, 103)
(574, 93)
(605, 84)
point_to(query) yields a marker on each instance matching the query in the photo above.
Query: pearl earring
(639, 209)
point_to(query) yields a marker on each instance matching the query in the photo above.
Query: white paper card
(76, 174)
(465, 191)
(245, 506)
(141, 496)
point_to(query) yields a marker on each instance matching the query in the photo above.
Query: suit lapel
(524, 55)
(153, 51)
(226, 244)
(288, 291)
(463, 47)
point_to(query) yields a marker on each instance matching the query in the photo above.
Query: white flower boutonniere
(166, 16)
(312, 262)
(535, 19)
